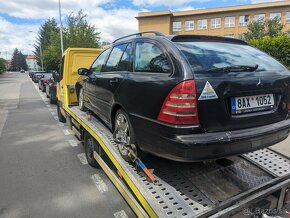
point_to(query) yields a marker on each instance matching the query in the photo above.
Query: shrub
(278, 47)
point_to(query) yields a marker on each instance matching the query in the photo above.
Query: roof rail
(140, 34)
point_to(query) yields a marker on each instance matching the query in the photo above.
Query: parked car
(43, 81)
(31, 73)
(22, 71)
(51, 90)
(188, 98)
(36, 77)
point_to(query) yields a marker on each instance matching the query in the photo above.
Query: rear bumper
(153, 138)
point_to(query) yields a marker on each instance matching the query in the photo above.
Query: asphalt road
(42, 170)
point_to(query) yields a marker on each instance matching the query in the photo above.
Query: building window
(176, 26)
(275, 15)
(202, 24)
(215, 23)
(288, 17)
(259, 17)
(230, 21)
(189, 25)
(244, 20)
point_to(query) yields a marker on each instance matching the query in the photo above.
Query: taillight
(180, 106)
(45, 81)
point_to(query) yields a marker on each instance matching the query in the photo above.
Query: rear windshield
(203, 56)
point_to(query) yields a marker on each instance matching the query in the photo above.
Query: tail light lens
(45, 81)
(180, 106)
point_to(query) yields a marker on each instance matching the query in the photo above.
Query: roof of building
(215, 10)
(30, 57)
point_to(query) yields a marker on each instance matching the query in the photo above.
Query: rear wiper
(234, 68)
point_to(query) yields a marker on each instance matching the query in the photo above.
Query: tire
(90, 146)
(81, 100)
(123, 123)
(47, 95)
(61, 118)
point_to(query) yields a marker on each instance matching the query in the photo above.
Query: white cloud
(166, 3)
(112, 23)
(16, 36)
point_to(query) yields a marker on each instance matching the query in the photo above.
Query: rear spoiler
(205, 38)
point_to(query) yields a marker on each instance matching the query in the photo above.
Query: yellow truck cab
(72, 60)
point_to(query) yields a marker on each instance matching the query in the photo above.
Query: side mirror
(83, 71)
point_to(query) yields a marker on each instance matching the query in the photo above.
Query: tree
(2, 65)
(79, 33)
(18, 61)
(259, 29)
(45, 38)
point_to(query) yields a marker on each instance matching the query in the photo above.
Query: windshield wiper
(234, 68)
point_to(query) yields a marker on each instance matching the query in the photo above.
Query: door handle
(114, 81)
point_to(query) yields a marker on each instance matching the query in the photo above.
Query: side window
(124, 64)
(114, 58)
(98, 63)
(150, 58)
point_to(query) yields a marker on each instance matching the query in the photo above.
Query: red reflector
(45, 81)
(180, 106)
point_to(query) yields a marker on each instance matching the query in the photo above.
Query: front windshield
(203, 56)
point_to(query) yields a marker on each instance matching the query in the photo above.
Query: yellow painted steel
(75, 58)
(132, 186)
(139, 211)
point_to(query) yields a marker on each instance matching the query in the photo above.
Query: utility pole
(60, 29)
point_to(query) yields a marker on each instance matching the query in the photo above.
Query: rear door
(230, 96)
(110, 78)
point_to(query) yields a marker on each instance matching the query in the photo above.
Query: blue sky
(20, 19)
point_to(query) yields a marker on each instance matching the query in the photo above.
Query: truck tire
(90, 146)
(61, 118)
(81, 100)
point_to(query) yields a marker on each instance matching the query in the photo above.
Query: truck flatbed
(216, 188)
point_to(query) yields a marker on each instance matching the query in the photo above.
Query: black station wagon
(188, 97)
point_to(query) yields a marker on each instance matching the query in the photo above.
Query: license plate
(255, 103)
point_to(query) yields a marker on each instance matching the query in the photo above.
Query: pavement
(43, 172)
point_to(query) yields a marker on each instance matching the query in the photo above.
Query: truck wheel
(90, 146)
(81, 100)
(61, 118)
(125, 132)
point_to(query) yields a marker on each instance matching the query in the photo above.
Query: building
(31, 62)
(224, 21)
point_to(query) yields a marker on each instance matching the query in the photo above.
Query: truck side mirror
(83, 72)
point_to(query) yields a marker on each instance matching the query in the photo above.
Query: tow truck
(251, 184)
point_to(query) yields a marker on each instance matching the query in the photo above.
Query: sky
(20, 19)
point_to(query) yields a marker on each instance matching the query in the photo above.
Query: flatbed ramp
(192, 189)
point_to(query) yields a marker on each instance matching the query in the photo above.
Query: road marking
(120, 214)
(61, 124)
(66, 132)
(47, 105)
(73, 143)
(83, 159)
(99, 182)
(50, 109)
(55, 117)
(3, 118)
(53, 113)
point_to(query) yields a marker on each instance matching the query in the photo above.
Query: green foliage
(77, 32)
(18, 61)
(259, 29)
(45, 38)
(278, 47)
(2, 65)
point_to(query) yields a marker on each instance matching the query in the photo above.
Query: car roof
(176, 38)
